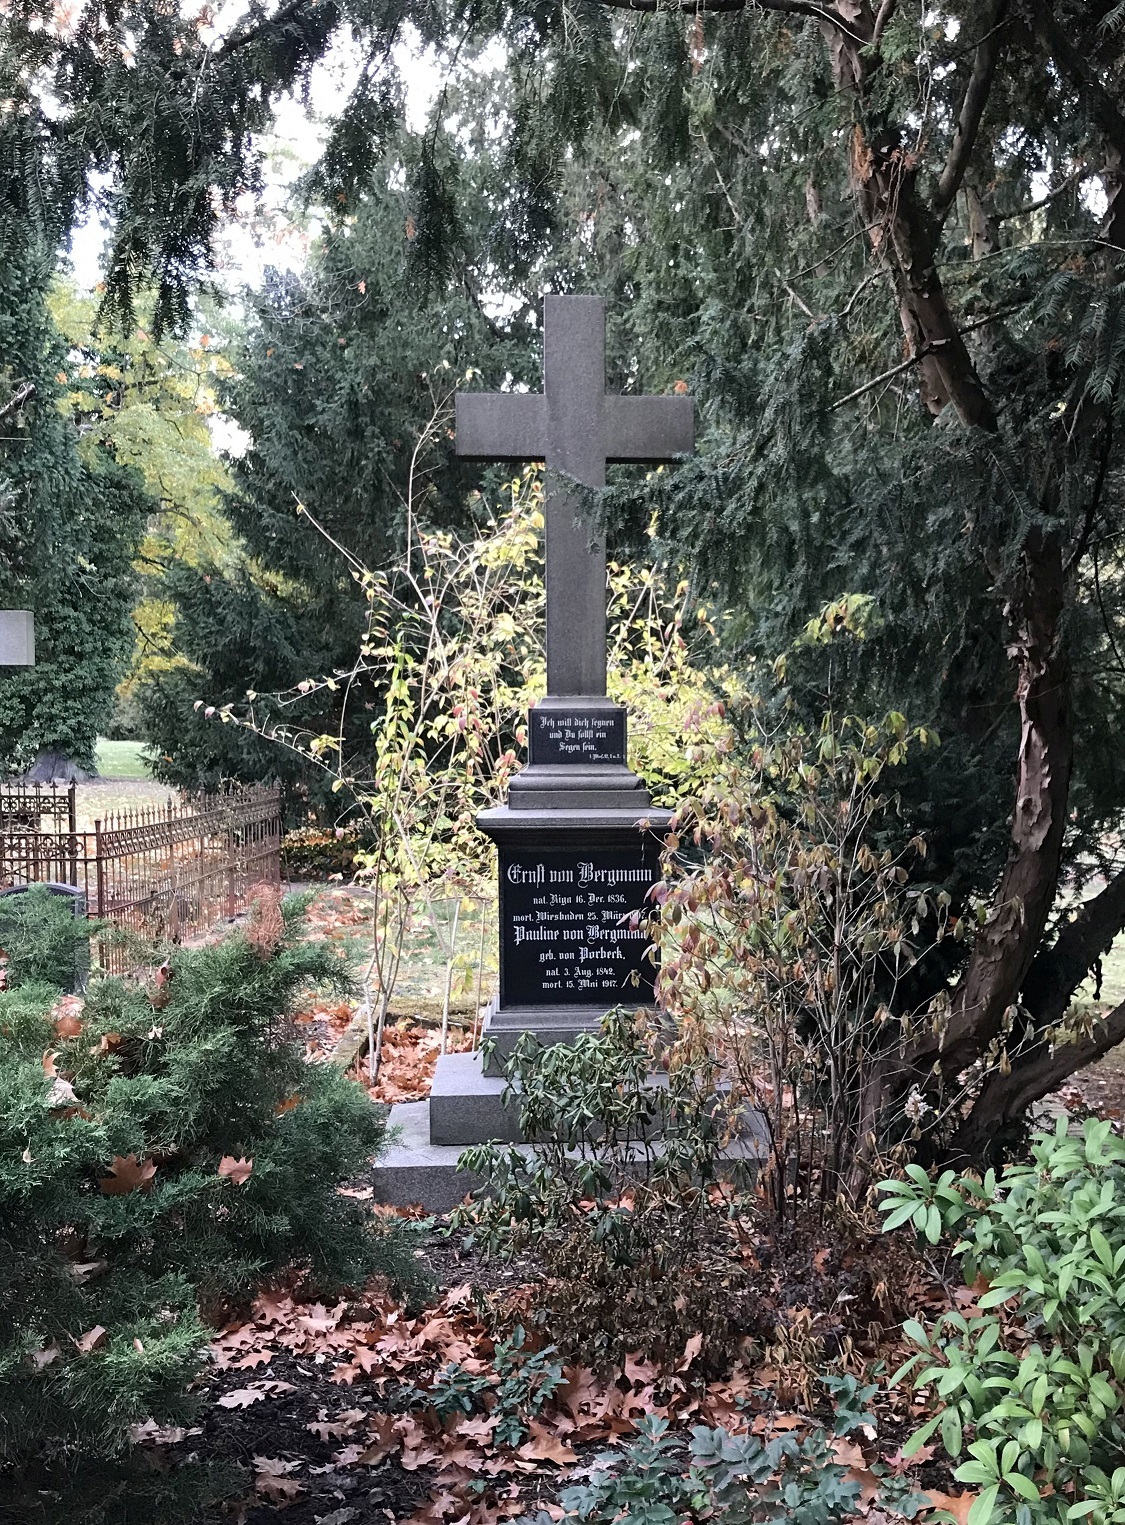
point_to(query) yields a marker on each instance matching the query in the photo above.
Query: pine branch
(1073, 66)
(474, 297)
(278, 19)
(972, 110)
(1076, 177)
(1075, 557)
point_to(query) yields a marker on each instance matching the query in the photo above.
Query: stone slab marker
(17, 638)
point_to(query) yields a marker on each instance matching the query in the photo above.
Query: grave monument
(578, 841)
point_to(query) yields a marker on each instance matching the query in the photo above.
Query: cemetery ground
(387, 1408)
(124, 782)
(445, 1399)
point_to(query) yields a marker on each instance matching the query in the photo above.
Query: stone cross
(575, 428)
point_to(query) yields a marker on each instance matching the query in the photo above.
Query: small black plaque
(587, 737)
(573, 925)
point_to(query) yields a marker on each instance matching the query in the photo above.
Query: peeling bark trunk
(905, 235)
(1006, 945)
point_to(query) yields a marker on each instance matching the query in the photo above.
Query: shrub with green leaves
(520, 1384)
(163, 1153)
(616, 1196)
(1028, 1401)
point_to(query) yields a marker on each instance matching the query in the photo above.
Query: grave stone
(17, 638)
(578, 841)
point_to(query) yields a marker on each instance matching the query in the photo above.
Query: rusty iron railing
(167, 872)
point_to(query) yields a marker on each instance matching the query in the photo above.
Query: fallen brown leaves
(67, 1014)
(410, 1052)
(372, 1349)
(237, 1171)
(93, 1339)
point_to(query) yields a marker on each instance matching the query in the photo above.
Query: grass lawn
(121, 759)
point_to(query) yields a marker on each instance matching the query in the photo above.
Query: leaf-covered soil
(321, 1408)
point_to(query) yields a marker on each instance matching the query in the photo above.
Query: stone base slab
(414, 1171)
(466, 1105)
(549, 1024)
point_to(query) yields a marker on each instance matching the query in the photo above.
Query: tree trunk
(55, 768)
(905, 234)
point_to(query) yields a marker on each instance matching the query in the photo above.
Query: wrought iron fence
(167, 872)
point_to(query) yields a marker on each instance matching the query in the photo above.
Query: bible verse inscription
(577, 736)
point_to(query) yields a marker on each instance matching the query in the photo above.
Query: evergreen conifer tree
(68, 534)
(164, 1153)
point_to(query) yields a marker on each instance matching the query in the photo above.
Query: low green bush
(663, 1478)
(622, 1196)
(311, 853)
(163, 1152)
(1027, 1400)
(43, 940)
(520, 1383)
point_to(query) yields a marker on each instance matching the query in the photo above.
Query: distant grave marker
(17, 638)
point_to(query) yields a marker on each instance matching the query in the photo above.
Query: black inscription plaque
(573, 926)
(590, 737)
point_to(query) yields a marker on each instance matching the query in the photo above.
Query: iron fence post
(99, 867)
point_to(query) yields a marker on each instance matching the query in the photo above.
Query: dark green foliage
(68, 534)
(44, 941)
(234, 632)
(336, 380)
(113, 1211)
(170, 114)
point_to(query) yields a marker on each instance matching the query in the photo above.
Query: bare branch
(920, 354)
(18, 399)
(787, 7)
(972, 109)
(1005, 1097)
(882, 20)
(1076, 177)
